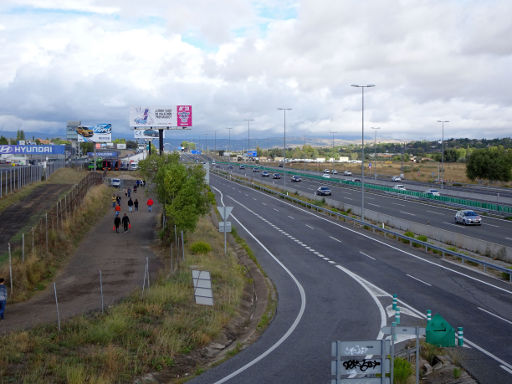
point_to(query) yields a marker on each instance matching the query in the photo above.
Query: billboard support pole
(161, 140)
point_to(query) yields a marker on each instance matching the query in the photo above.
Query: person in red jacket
(150, 204)
(117, 209)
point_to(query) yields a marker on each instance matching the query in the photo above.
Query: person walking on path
(150, 204)
(3, 297)
(136, 205)
(126, 222)
(117, 209)
(117, 222)
(130, 205)
(129, 192)
(118, 200)
(114, 200)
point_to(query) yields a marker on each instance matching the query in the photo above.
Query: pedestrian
(3, 298)
(125, 192)
(114, 200)
(118, 200)
(136, 205)
(150, 204)
(126, 223)
(117, 209)
(130, 205)
(135, 189)
(129, 192)
(117, 222)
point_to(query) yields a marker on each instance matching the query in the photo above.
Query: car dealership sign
(168, 117)
(32, 149)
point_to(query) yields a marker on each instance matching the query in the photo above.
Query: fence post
(101, 292)
(33, 242)
(23, 247)
(57, 305)
(10, 265)
(182, 247)
(46, 215)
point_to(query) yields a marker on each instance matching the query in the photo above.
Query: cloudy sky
(430, 60)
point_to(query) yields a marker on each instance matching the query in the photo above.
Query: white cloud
(90, 60)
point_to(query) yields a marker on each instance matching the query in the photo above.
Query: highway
(495, 230)
(347, 280)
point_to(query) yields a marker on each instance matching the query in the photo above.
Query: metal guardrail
(375, 228)
(445, 199)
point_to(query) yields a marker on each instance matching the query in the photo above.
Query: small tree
(493, 163)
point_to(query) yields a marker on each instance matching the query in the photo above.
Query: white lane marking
(392, 247)
(332, 262)
(492, 314)
(275, 209)
(246, 195)
(254, 198)
(492, 225)
(264, 204)
(364, 254)
(435, 213)
(370, 198)
(290, 217)
(421, 281)
(402, 205)
(407, 213)
(295, 322)
(309, 226)
(375, 205)
(506, 369)
(348, 198)
(335, 239)
(508, 238)
(457, 225)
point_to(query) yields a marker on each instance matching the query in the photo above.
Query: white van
(133, 166)
(116, 183)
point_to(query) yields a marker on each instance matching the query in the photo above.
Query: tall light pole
(215, 141)
(442, 150)
(284, 109)
(362, 143)
(229, 141)
(332, 133)
(375, 153)
(248, 121)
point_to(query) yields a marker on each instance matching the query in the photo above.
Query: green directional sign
(440, 332)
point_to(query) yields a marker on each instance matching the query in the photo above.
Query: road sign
(224, 211)
(364, 380)
(225, 227)
(403, 331)
(359, 366)
(440, 332)
(360, 348)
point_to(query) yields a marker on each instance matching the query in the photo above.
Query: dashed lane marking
(364, 254)
(421, 281)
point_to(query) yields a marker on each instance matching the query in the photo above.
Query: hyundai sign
(252, 154)
(32, 149)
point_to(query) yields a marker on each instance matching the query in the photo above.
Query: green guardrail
(444, 199)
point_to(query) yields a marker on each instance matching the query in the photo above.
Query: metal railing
(375, 228)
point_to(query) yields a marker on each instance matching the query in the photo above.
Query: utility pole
(332, 133)
(442, 151)
(229, 140)
(248, 121)
(375, 153)
(284, 109)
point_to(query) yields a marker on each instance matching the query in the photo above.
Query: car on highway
(326, 176)
(356, 180)
(241, 166)
(399, 187)
(334, 172)
(432, 192)
(255, 169)
(327, 170)
(468, 217)
(323, 191)
(396, 178)
(115, 182)
(265, 174)
(347, 173)
(296, 178)
(276, 176)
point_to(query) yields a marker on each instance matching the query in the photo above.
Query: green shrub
(422, 238)
(200, 247)
(402, 370)
(505, 275)
(409, 234)
(456, 372)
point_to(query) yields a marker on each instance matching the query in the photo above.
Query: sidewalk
(120, 256)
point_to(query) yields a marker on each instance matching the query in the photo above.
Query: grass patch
(200, 247)
(137, 335)
(505, 275)
(402, 370)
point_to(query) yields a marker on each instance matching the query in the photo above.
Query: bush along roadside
(157, 331)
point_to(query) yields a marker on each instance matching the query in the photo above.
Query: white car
(326, 176)
(334, 172)
(400, 187)
(115, 182)
(468, 217)
(347, 173)
(396, 178)
(432, 192)
(327, 170)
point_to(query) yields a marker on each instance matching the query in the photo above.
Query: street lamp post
(284, 109)
(362, 143)
(332, 133)
(442, 150)
(375, 153)
(248, 121)
(229, 140)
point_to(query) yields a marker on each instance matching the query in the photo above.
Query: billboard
(121, 145)
(104, 154)
(32, 149)
(100, 133)
(146, 133)
(252, 154)
(168, 117)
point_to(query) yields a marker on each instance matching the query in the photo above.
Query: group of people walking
(132, 204)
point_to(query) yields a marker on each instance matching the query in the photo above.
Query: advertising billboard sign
(168, 117)
(32, 149)
(100, 133)
(104, 154)
(121, 145)
(146, 133)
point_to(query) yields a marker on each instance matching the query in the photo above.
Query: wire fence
(41, 239)
(15, 178)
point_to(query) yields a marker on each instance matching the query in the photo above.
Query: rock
(427, 369)
(217, 346)
(147, 379)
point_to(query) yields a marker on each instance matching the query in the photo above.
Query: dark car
(265, 174)
(255, 169)
(276, 176)
(323, 191)
(468, 217)
(296, 178)
(242, 166)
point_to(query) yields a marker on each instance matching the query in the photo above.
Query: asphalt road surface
(347, 280)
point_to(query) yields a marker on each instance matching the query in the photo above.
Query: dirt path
(121, 258)
(18, 215)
